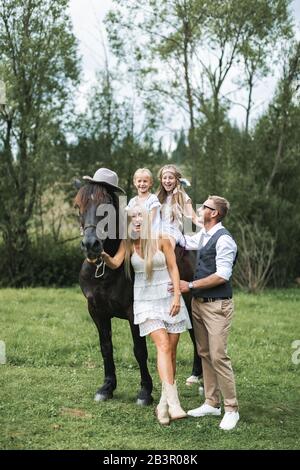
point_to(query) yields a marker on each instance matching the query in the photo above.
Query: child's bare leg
(173, 241)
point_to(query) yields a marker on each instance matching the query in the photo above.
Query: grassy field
(54, 368)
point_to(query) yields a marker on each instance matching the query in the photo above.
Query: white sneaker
(229, 420)
(193, 379)
(204, 410)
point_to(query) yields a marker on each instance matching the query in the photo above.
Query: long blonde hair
(149, 244)
(178, 200)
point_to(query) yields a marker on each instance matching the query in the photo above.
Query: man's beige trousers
(211, 321)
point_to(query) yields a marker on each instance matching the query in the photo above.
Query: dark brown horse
(109, 293)
(186, 265)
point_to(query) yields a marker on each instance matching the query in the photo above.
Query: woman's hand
(105, 256)
(175, 306)
(114, 262)
(108, 260)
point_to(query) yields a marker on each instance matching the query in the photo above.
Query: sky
(87, 17)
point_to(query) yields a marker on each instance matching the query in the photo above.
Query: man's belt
(211, 299)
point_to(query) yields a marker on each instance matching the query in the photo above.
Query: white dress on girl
(150, 203)
(171, 225)
(152, 301)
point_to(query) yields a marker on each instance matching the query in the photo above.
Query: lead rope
(100, 265)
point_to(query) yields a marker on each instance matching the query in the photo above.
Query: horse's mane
(92, 192)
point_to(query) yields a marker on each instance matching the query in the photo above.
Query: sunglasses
(204, 206)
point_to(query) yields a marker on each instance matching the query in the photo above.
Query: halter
(88, 226)
(102, 262)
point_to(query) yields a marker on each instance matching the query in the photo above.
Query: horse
(109, 293)
(186, 260)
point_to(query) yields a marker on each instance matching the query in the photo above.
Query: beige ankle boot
(175, 410)
(162, 412)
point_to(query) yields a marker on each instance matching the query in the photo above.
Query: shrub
(49, 264)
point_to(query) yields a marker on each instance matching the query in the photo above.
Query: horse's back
(186, 260)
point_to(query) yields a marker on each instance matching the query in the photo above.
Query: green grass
(54, 368)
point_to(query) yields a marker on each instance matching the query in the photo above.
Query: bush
(255, 257)
(49, 264)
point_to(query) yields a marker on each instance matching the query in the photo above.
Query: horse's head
(98, 216)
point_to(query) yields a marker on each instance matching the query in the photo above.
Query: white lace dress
(170, 225)
(150, 203)
(152, 301)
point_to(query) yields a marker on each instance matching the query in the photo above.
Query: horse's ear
(77, 183)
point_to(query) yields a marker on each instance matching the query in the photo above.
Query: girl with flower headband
(175, 203)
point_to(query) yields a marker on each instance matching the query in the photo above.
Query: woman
(158, 313)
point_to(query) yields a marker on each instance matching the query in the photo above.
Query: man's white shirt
(226, 248)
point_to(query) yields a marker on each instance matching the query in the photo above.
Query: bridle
(101, 263)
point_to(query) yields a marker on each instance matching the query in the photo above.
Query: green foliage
(109, 135)
(53, 351)
(48, 264)
(40, 69)
(173, 59)
(259, 173)
(198, 43)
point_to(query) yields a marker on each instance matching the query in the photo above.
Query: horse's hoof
(144, 401)
(103, 396)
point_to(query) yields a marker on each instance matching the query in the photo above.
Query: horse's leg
(197, 364)
(105, 392)
(185, 262)
(141, 354)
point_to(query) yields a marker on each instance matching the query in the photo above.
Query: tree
(114, 132)
(98, 129)
(288, 91)
(39, 67)
(187, 49)
(170, 31)
(264, 186)
(270, 27)
(276, 159)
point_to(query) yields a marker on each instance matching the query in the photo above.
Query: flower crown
(183, 181)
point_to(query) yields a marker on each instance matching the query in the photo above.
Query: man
(212, 309)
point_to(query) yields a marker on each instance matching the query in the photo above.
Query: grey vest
(206, 265)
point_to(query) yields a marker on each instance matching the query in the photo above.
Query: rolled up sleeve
(226, 250)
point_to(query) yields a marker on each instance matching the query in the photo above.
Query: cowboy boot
(161, 410)
(175, 410)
